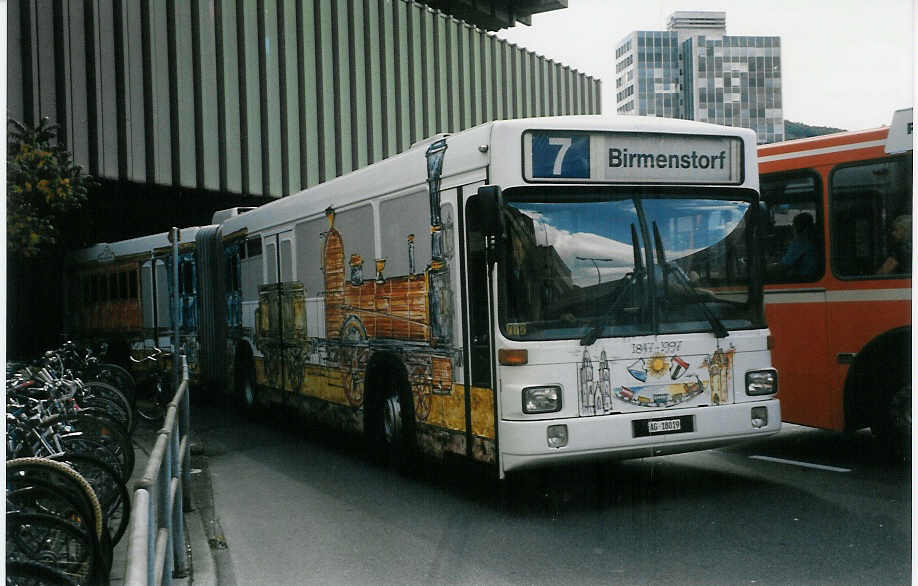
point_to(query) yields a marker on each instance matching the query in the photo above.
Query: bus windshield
(626, 262)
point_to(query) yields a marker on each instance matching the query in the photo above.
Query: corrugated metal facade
(265, 97)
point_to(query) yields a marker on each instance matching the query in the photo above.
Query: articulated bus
(121, 293)
(522, 293)
(839, 303)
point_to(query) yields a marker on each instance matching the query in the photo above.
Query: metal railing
(156, 548)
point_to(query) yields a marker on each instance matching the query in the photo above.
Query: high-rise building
(694, 70)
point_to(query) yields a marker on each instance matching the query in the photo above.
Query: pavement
(202, 537)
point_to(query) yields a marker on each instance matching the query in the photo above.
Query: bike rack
(157, 534)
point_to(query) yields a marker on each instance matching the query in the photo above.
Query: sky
(846, 64)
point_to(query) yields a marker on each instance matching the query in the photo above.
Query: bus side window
(251, 269)
(270, 263)
(793, 254)
(132, 284)
(186, 277)
(871, 204)
(233, 260)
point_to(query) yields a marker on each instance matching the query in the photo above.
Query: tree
(45, 192)
(43, 188)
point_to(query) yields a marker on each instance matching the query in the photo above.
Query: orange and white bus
(838, 212)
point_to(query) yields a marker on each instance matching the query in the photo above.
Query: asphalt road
(290, 506)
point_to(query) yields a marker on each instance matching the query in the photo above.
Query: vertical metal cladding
(265, 97)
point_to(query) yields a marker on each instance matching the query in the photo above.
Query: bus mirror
(489, 208)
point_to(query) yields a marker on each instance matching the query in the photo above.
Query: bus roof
(110, 251)
(826, 143)
(467, 151)
(876, 142)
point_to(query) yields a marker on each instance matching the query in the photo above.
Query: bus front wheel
(391, 434)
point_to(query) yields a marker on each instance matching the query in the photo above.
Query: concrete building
(206, 104)
(694, 70)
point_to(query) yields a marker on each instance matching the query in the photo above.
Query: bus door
(282, 314)
(795, 295)
(871, 205)
(477, 331)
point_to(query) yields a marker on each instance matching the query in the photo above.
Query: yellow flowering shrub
(43, 186)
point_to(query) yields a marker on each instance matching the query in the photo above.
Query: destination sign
(621, 157)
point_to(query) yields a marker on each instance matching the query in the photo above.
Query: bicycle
(154, 395)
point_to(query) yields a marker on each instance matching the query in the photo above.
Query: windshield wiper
(630, 279)
(670, 268)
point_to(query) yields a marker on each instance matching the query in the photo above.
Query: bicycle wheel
(53, 542)
(76, 443)
(111, 400)
(111, 433)
(102, 440)
(117, 376)
(29, 573)
(39, 496)
(152, 401)
(23, 473)
(109, 488)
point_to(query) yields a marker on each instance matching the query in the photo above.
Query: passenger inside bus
(801, 259)
(900, 254)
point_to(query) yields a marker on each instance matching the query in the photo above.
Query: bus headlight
(761, 382)
(542, 399)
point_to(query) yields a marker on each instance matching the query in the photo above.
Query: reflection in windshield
(579, 269)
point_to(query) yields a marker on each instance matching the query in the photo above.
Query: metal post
(179, 557)
(174, 235)
(185, 427)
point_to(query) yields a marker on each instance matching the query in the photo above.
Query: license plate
(663, 426)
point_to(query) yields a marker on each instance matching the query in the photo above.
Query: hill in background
(794, 130)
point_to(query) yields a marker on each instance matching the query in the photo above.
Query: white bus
(523, 293)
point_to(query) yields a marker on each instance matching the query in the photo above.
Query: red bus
(837, 242)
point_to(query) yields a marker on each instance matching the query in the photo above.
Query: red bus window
(871, 207)
(793, 227)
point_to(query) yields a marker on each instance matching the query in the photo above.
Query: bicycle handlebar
(157, 352)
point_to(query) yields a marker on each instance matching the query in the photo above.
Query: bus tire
(390, 427)
(880, 381)
(892, 422)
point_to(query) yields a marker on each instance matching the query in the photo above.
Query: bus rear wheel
(892, 424)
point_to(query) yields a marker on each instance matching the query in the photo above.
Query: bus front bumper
(524, 444)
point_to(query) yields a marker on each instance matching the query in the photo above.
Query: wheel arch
(876, 362)
(381, 366)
